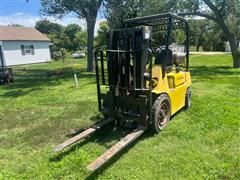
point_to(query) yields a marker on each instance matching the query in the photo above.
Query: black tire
(11, 78)
(188, 98)
(161, 113)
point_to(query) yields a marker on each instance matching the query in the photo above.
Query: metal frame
(140, 20)
(97, 76)
(167, 21)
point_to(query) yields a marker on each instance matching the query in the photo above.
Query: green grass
(43, 105)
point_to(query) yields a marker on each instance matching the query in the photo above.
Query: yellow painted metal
(176, 79)
(175, 84)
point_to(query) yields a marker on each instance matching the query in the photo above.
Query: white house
(21, 45)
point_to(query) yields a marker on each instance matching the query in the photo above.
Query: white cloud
(19, 18)
(29, 20)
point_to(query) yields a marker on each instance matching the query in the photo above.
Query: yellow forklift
(146, 77)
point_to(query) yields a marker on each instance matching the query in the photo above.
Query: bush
(57, 55)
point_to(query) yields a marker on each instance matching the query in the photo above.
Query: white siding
(13, 55)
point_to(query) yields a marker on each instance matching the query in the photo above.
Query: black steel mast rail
(161, 22)
(145, 19)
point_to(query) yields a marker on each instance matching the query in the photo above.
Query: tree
(207, 34)
(64, 42)
(214, 38)
(70, 32)
(81, 39)
(197, 30)
(223, 13)
(101, 38)
(86, 9)
(62, 37)
(55, 42)
(47, 27)
(150, 7)
(53, 31)
(119, 10)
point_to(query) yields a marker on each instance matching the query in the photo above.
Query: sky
(27, 14)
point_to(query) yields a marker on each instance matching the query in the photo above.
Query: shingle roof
(11, 33)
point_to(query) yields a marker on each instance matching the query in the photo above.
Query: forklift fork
(129, 138)
(82, 135)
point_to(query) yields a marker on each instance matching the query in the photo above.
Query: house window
(27, 49)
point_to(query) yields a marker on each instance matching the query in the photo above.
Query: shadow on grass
(59, 156)
(98, 172)
(206, 71)
(29, 80)
(107, 134)
(97, 137)
(20, 92)
(178, 112)
(77, 131)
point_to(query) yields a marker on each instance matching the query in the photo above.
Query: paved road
(208, 53)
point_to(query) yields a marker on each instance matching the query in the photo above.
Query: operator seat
(160, 57)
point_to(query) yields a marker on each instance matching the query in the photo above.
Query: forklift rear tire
(161, 113)
(188, 98)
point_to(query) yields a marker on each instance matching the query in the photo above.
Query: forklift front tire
(161, 113)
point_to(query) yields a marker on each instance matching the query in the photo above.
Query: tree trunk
(234, 50)
(232, 41)
(230, 36)
(90, 39)
(197, 47)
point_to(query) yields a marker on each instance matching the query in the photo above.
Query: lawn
(43, 105)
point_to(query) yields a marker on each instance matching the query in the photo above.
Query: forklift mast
(128, 55)
(127, 58)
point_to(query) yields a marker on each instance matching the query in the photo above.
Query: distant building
(21, 45)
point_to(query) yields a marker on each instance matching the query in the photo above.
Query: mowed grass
(43, 105)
